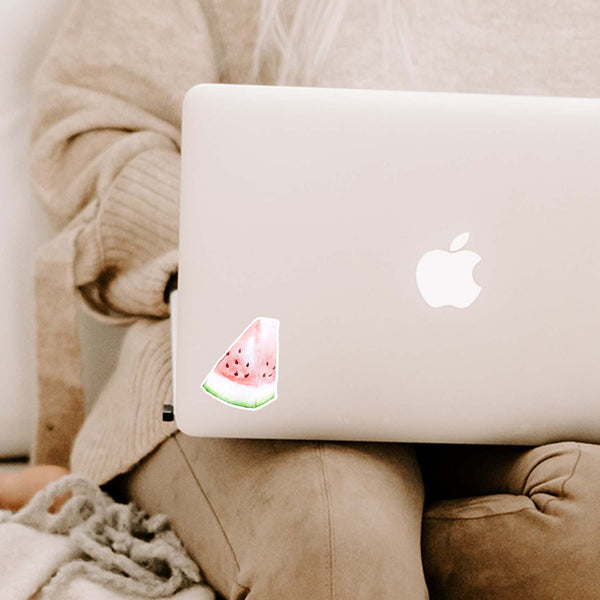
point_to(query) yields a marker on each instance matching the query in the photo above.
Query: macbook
(388, 265)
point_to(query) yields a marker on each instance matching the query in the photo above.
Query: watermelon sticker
(246, 375)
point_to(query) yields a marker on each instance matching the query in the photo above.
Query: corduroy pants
(298, 520)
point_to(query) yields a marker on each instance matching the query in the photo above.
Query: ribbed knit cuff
(125, 422)
(127, 253)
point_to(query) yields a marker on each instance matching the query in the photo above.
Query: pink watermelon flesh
(246, 375)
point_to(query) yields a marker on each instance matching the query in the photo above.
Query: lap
(271, 519)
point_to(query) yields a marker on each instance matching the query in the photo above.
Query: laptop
(388, 265)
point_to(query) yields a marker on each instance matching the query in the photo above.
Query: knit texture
(105, 159)
(116, 545)
(132, 427)
(59, 372)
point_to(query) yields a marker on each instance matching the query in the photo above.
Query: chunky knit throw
(93, 547)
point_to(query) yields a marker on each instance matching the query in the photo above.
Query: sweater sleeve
(106, 137)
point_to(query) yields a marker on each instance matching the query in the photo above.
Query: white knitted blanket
(92, 548)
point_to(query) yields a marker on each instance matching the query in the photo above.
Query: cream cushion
(26, 30)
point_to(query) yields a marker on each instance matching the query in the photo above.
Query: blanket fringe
(120, 545)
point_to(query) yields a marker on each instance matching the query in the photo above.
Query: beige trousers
(275, 520)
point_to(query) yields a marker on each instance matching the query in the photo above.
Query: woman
(276, 519)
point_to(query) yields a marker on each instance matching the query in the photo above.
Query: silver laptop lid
(419, 266)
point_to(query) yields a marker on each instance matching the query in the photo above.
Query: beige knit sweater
(105, 162)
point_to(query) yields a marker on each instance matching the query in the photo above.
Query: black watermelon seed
(267, 364)
(263, 374)
(227, 365)
(236, 373)
(270, 374)
(236, 362)
(247, 364)
(246, 375)
(227, 354)
(240, 350)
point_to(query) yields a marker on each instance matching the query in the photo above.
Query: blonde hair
(293, 50)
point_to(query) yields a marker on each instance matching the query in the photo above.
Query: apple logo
(446, 278)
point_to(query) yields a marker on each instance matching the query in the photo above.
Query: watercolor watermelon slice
(246, 375)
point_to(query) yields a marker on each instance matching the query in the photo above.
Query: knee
(549, 473)
(351, 530)
(538, 541)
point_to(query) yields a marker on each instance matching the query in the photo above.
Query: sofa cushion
(26, 31)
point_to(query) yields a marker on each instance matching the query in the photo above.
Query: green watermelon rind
(232, 392)
(239, 404)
